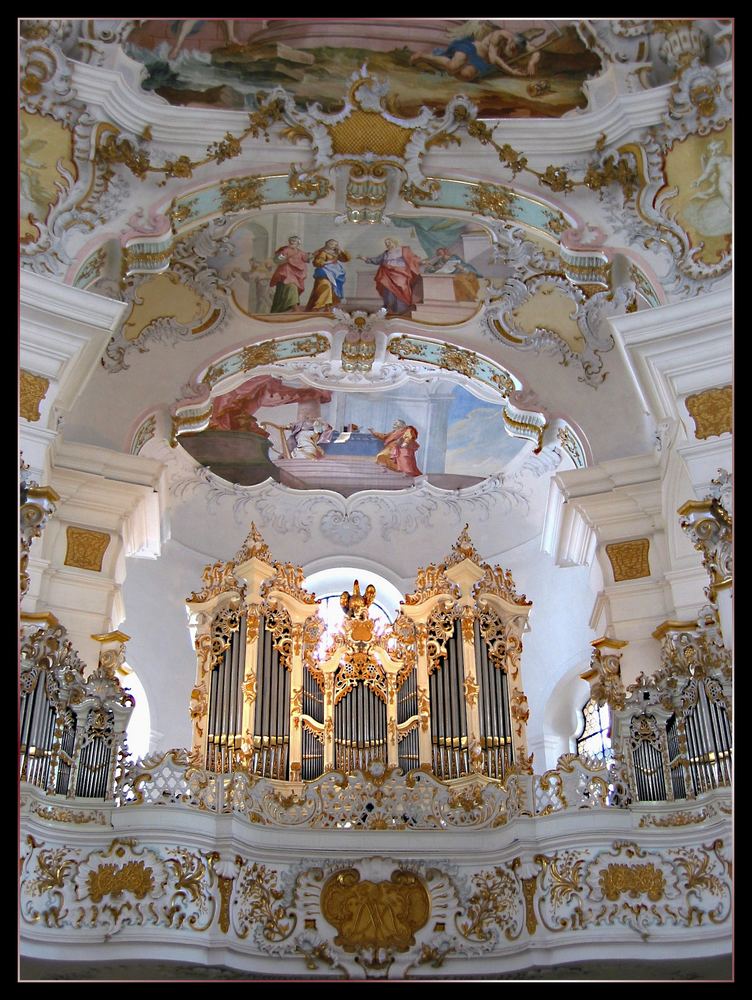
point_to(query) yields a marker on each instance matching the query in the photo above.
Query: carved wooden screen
(448, 712)
(226, 691)
(271, 729)
(494, 716)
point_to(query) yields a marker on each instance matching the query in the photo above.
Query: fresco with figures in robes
(429, 269)
(310, 438)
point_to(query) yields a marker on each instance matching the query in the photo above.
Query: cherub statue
(356, 605)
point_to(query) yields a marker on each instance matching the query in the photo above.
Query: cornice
(116, 93)
(135, 470)
(677, 349)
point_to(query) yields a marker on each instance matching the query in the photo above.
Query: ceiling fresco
(430, 269)
(509, 69)
(308, 438)
(341, 212)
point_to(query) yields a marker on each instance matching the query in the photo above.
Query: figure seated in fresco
(400, 445)
(305, 438)
(465, 274)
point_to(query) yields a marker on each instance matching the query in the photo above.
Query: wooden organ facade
(440, 689)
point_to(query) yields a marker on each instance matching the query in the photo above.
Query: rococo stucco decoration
(370, 286)
(370, 918)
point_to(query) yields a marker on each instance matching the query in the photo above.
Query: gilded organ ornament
(375, 915)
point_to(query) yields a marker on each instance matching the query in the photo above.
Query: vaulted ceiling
(539, 180)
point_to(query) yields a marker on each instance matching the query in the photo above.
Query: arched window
(595, 741)
(138, 730)
(328, 585)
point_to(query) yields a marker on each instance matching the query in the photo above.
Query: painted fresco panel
(507, 68)
(310, 438)
(699, 176)
(429, 269)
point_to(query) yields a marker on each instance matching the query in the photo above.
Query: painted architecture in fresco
(310, 438)
(429, 269)
(509, 69)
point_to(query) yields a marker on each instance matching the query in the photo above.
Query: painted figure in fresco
(710, 208)
(259, 291)
(305, 437)
(400, 445)
(191, 26)
(289, 277)
(399, 269)
(472, 58)
(328, 277)
(465, 274)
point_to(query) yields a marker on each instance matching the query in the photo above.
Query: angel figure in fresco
(400, 445)
(399, 269)
(290, 275)
(709, 210)
(257, 276)
(328, 277)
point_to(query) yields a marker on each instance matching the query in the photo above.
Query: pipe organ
(674, 729)
(72, 727)
(440, 689)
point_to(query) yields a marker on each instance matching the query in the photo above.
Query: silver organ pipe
(495, 720)
(224, 723)
(678, 784)
(65, 753)
(271, 734)
(95, 755)
(407, 707)
(312, 764)
(648, 764)
(448, 714)
(359, 728)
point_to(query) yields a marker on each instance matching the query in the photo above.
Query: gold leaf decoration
(86, 548)
(375, 914)
(33, 390)
(711, 412)
(629, 560)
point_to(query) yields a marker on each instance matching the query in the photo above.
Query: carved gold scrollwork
(109, 880)
(634, 880)
(375, 915)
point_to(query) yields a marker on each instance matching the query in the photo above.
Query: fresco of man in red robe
(289, 278)
(399, 269)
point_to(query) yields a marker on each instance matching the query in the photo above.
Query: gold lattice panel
(368, 132)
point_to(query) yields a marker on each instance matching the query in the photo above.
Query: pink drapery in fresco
(234, 410)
